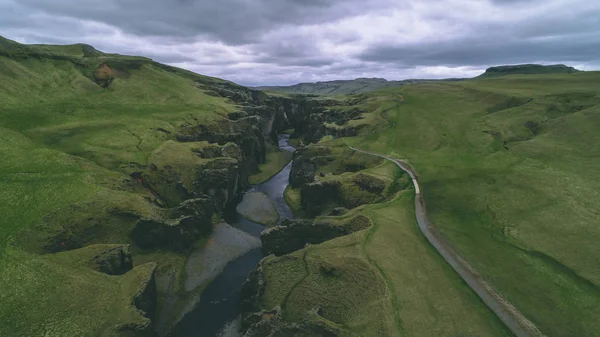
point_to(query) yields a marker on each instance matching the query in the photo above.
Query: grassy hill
(360, 85)
(75, 124)
(507, 166)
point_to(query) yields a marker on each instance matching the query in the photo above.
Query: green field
(507, 166)
(384, 281)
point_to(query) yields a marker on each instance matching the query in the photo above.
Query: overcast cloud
(261, 42)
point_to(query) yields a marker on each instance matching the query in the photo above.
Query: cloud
(230, 21)
(258, 42)
(550, 35)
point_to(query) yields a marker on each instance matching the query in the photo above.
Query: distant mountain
(345, 87)
(528, 69)
(342, 87)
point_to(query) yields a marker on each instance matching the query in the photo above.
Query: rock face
(318, 196)
(252, 291)
(306, 160)
(113, 261)
(293, 235)
(177, 235)
(219, 179)
(143, 302)
(187, 222)
(276, 113)
(302, 172)
(245, 133)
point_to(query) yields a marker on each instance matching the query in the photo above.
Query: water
(218, 312)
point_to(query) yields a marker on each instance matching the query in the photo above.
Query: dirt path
(508, 314)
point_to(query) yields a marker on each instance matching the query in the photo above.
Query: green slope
(74, 124)
(507, 166)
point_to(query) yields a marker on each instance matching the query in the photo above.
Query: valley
(140, 199)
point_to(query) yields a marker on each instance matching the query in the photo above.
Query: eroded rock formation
(293, 235)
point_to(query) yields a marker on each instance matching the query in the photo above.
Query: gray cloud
(231, 21)
(481, 51)
(287, 41)
(557, 37)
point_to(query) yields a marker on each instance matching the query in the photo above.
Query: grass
(275, 161)
(292, 198)
(384, 281)
(68, 147)
(514, 189)
(63, 297)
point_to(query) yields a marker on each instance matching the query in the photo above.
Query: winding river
(218, 312)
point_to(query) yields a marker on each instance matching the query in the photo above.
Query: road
(508, 314)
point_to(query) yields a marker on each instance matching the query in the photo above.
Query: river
(218, 312)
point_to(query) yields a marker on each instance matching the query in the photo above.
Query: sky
(281, 42)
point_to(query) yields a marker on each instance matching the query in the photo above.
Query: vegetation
(513, 188)
(62, 296)
(383, 281)
(75, 125)
(276, 160)
(94, 144)
(292, 198)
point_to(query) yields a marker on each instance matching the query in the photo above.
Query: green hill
(507, 166)
(104, 149)
(340, 87)
(531, 69)
(360, 85)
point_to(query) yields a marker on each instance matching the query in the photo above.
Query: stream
(218, 312)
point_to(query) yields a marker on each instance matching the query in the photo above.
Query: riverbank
(374, 282)
(223, 265)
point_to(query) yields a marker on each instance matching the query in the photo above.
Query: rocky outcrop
(177, 234)
(113, 261)
(140, 284)
(245, 134)
(219, 179)
(319, 196)
(302, 172)
(293, 235)
(187, 222)
(306, 161)
(252, 292)
(276, 113)
(230, 150)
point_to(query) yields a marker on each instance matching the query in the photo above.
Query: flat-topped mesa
(528, 69)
